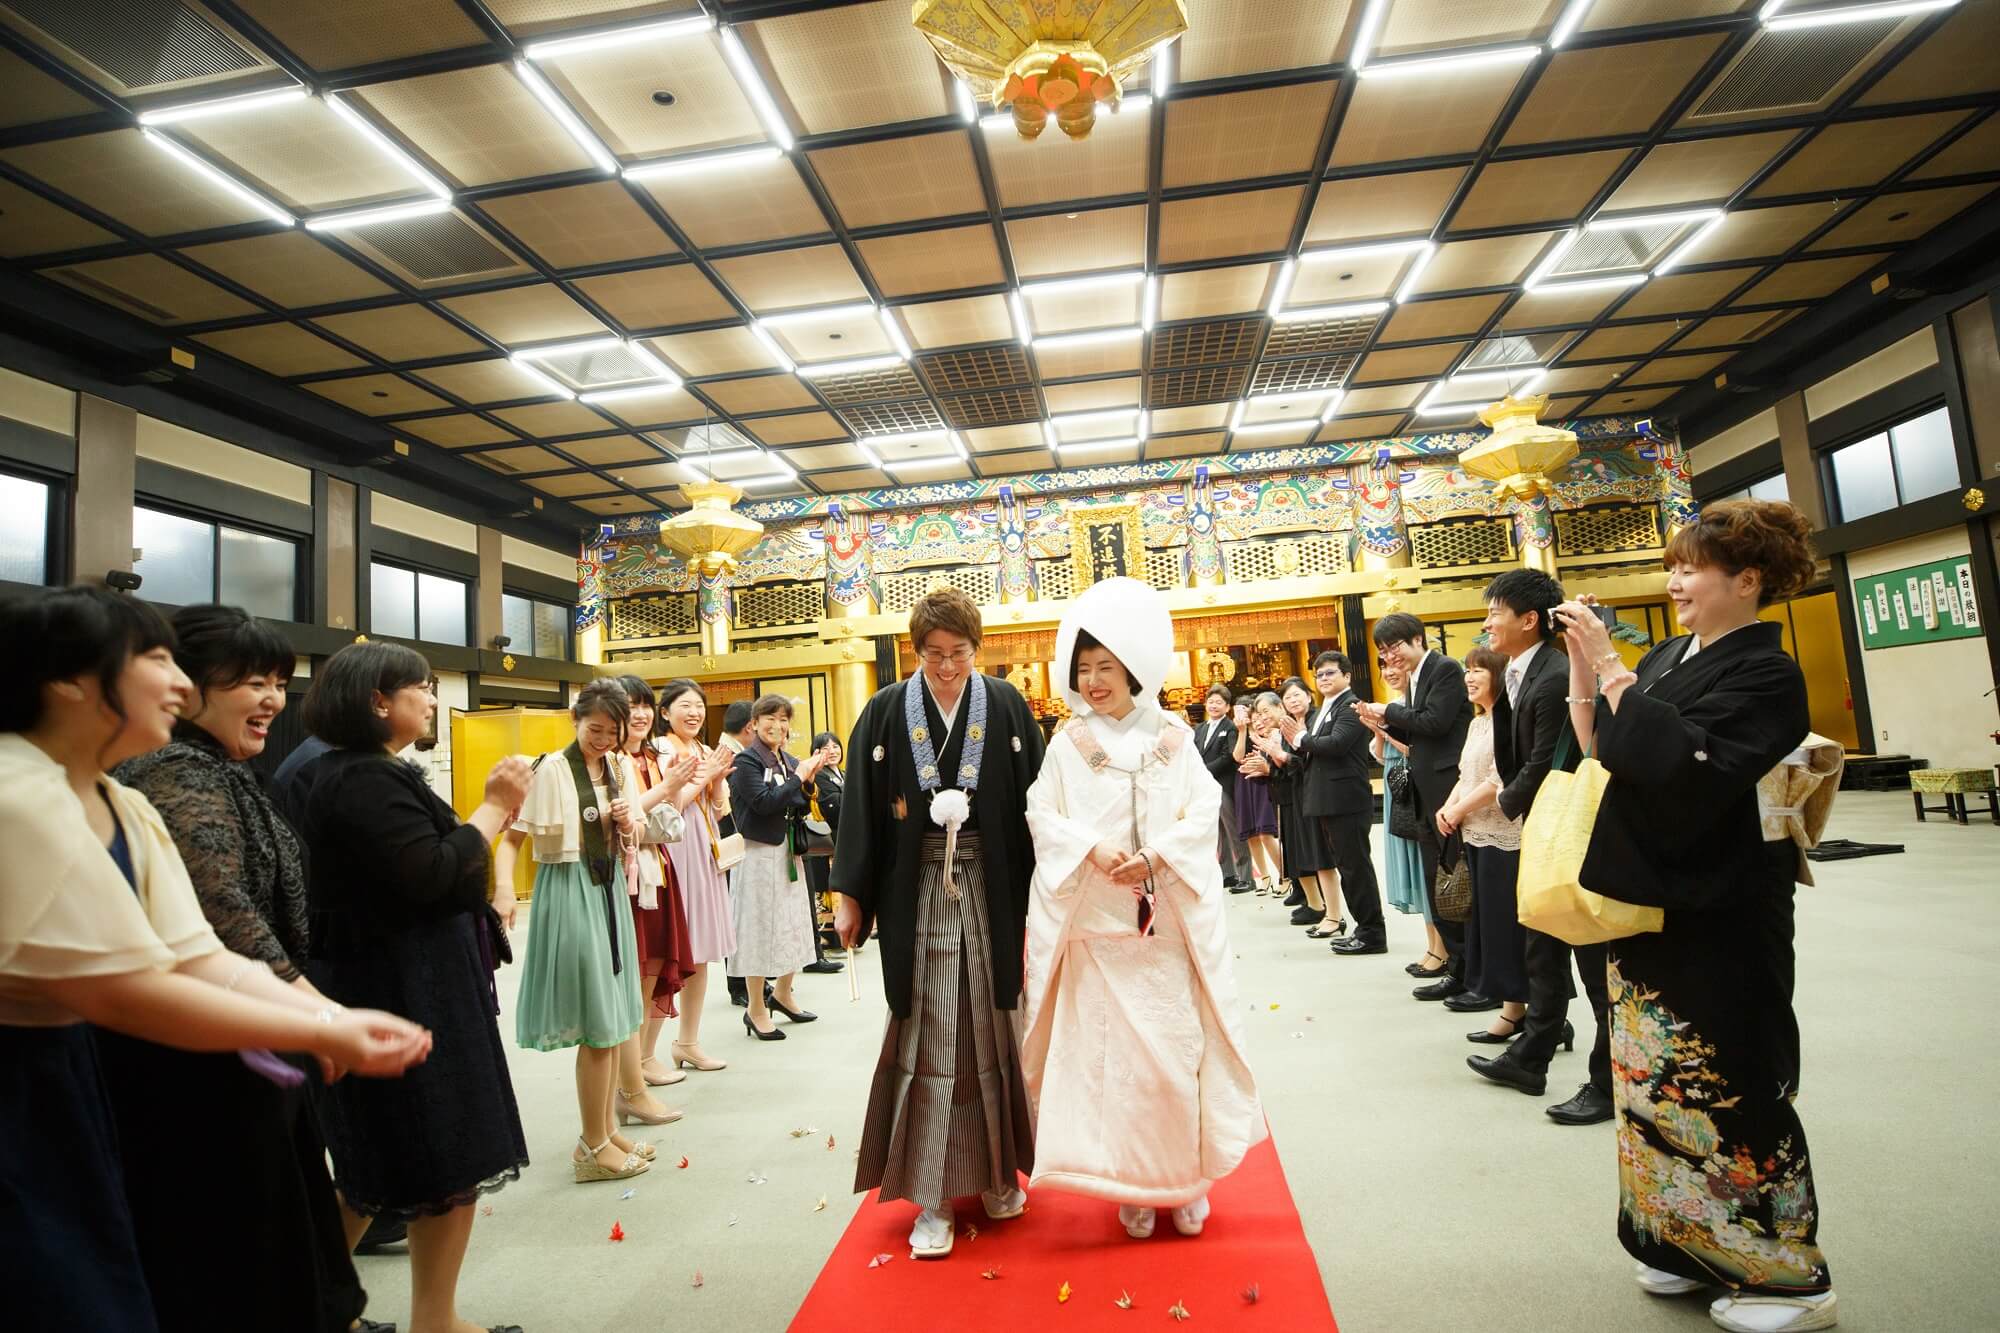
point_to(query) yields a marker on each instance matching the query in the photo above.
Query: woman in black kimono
(1715, 1184)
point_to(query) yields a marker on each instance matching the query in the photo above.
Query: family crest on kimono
(933, 856)
(1131, 997)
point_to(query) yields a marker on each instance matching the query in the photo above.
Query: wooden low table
(1954, 784)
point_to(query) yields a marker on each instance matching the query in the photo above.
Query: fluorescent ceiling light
(854, 366)
(1136, 102)
(630, 390)
(696, 163)
(1506, 55)
(726, 456)
(575, 347)
(1681, 252)
(1567, 24)
(968, 110)
(1364, 36)
(1088, 339)
(784, 478)
(1447, 409)
(1822, 18)
(195, 163)
(1063, 451)
(548, 385)
(1563, 245)
(1023, 331)
(221, 106)
(1049, 434)
(1314, 313)
(1332, 405)
(854, 310)
(368, 217)
(958, 447)
(763, 335)
(870, 441)
(1590, 284)
(637, 32)
(1236, 417)
(1124, 278)
(572, 124)
(1267, 427)
(1403, 247)
(1417, 267)
(1108, 414)
(1634, 220)
(1144, 426)
(1163, 76)
(386, 146)
(1282, 288)
(1149, 303)
(895, 332)
(1288, 396)
(753, 87)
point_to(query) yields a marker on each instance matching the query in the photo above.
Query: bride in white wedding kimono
(1133, 1056)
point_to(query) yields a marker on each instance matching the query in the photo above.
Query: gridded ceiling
(600, 247)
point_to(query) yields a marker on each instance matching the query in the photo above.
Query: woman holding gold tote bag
(1715, 1181)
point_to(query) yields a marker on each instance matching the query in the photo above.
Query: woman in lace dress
(1495, 947)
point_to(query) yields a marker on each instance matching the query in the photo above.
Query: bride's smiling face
(1103, 682)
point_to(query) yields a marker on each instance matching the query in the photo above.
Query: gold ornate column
(850, 592)
(711, 535)
(1518, 458)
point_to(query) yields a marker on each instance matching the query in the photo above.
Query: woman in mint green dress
(580, 977)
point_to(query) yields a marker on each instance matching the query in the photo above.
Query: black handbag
(1402, 788)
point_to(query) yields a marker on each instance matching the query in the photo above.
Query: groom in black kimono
(948, 1111)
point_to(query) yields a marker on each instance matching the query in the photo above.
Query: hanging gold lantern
(709, 534)
(1046, 61)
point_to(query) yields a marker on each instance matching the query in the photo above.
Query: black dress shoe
(775, 1034)
(1487, 1037)
(382, 1231)
(1306, 916)
(796, 1015)
(1588, 1107)
(1355, 944)
(1442, 989)
(1296, 898)
(1240, 887)
(1471, 1002)
(825, 966)
(1502, 1070)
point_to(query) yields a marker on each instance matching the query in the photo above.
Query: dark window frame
(301, 552)
(569, 623)
(469, 587)
(1830, 486)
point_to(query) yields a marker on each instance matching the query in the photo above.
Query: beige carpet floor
(1434, 1201)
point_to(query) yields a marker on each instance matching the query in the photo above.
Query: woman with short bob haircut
(100, 926)
(400, 919)
(1715, 1179)
(770, 792)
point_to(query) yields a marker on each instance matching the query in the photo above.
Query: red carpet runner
(1253, 1238)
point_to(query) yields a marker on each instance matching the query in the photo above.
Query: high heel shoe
(1488, 1037)
(587, 1168)
(627, 1112)
(775, 1034)
(668, 1079)
(687, 1055)
(795, 1015)
(1569, 1036)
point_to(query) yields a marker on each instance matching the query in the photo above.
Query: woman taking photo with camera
(1715, 1182)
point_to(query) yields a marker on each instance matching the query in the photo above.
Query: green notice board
(1921, 604)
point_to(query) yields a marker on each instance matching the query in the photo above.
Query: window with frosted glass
(176, 557)
(552, 630)
(259, 574)
(1771, 488)
(1864, 478)
(24, 530)
(1926, 460)
(517, 622)
(440, 609)
(392, 601)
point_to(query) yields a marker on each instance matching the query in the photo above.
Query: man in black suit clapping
(1215, 738)
(1336, 794)
(1433, 722)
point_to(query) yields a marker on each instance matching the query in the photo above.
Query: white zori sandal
(1659, 1282)
(1774, 1314)
(1189, 1218)
(1138, 1222)
(931, 1237)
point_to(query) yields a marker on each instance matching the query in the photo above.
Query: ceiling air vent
(1618, 250)
(1317, 372)
(430, 251)
(1000, 407)
(596, 367)
(1204, 384)
(1205, 344)
(83, 282)
(1795, 70)
(140, 47)
(1514, 349)
(979, 368)
(866, 386)
(892, 418)
(1321, 336)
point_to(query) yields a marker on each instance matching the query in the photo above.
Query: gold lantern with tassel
(1044, 60)
(710, 536)
(1518, 458)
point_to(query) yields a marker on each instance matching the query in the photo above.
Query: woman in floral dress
(1715, 1181)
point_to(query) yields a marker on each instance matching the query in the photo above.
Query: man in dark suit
(1532, 734)
(1433, 722)
(1335, 792)
(1215, 739)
